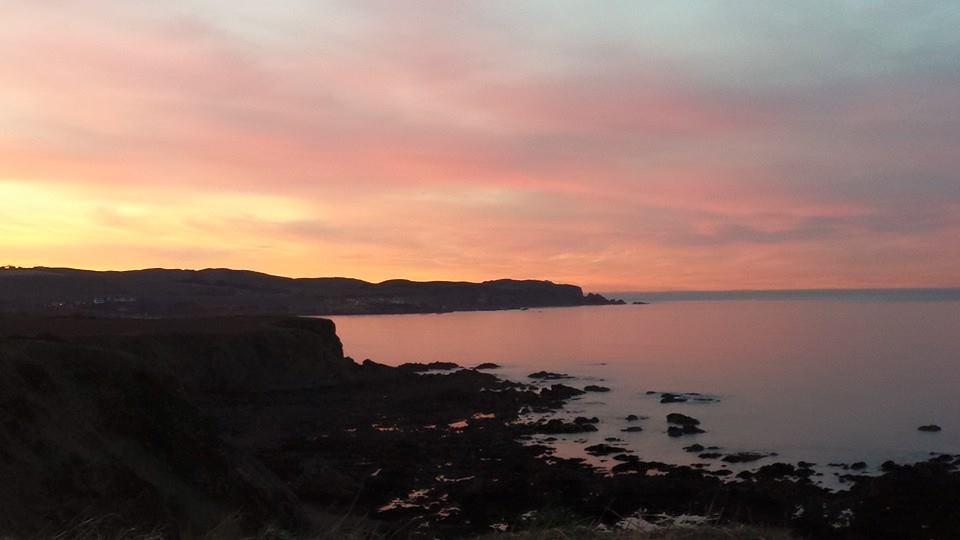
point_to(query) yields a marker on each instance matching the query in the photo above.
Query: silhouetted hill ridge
(157, 292)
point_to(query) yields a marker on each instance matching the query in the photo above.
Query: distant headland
(216, 292)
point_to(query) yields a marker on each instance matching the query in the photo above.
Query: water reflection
(816, 380)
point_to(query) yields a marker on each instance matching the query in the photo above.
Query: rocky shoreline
(177, 423)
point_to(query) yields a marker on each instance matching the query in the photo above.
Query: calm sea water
(819, 379)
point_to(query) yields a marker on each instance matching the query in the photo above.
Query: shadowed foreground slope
(179, 424)
(182, 425)
(98, 418)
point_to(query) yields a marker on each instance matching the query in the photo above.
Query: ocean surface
(822, 378)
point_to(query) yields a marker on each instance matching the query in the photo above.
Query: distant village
(115, 303)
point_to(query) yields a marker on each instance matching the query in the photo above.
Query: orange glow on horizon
(602, 151)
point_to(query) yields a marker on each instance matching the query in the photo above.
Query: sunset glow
(645, 145)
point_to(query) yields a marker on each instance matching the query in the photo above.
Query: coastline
(610, 303)
(275, 400)
(165, 293)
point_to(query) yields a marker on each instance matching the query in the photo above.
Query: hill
(213, 292)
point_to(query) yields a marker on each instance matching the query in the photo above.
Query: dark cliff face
(274, 355)
(209, 354)
(101, 418)
(153, 293)
(180, 423)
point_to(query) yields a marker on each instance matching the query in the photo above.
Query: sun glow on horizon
(603, 145)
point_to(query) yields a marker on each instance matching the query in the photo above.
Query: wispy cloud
(669, 144)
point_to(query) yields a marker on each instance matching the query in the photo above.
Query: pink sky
(616, 145)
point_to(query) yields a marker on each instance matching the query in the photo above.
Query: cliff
(179, 424)
(106, 418)
(213, 292)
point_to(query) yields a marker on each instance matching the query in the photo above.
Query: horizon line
(599, 290)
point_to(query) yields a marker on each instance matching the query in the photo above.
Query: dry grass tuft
(332, 527)
(667, 533)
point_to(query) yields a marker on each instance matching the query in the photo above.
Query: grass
(108, 527)
(708, 532)
(557, 533)
(546, 526)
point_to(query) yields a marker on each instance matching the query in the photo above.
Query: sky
(618, 145)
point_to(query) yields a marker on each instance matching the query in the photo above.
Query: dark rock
(858, 466)
(744, 457)
(776, 471)
(628, 467)
(929, 428)
(632, 429)
(603, 449)
(488, 365)
(368, 363)
(595, 388)
(682, 420)
(560, 392)
(679, 431)
(684, 397)
(694, 448)
(594, 299)
(556, 426)
(632, 418)
(417, 367)
(548, 375)
(638, 466)
(710, 455)
(844, 478)
(585, 420)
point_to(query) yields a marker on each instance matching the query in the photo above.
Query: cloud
(670, 145)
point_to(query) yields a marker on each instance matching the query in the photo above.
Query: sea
(830, 377)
